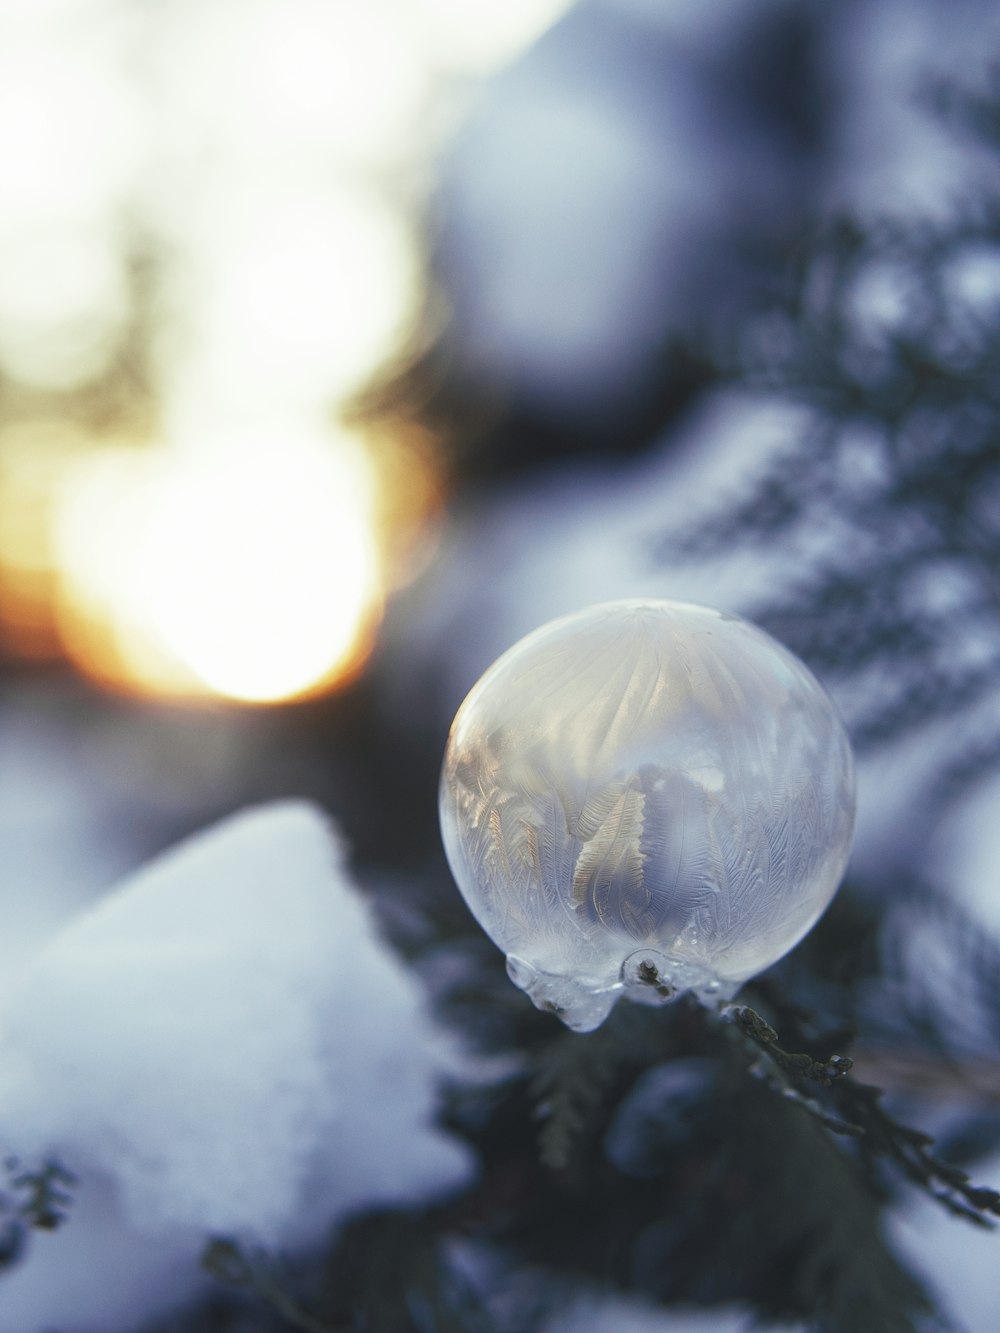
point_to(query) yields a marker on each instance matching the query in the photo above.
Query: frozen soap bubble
(645, 798)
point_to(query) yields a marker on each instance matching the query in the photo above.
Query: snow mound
(228, 1041)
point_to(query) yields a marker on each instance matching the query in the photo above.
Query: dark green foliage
(37, 1199)
(386, 1272)
(571, 1088)
(637, 1157)
(666, 1151)
(392, 1271)
(858, 1113)
(887, 504)
(42, 1197)
(225, 1260)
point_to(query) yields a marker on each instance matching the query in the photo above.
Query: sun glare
(291, 303)
(63, 304)
(479, 35)
(247, 572)
(209, 216)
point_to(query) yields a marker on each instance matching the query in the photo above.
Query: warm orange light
(33, 456)
(243, 571)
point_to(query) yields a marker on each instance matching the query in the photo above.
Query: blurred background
(343, 343)
(212, 236)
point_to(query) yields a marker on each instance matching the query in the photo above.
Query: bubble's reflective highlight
(645, 799)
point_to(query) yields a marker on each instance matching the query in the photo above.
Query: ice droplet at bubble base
(645, 798)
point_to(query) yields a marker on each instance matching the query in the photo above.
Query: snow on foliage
(226, 1043)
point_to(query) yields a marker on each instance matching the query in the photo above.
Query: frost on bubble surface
(645, 797)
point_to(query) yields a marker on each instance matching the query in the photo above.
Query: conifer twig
(861, 1116)
(225, 1260)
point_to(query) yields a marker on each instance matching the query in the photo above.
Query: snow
(605, 186)
(958, 1261)
(893, 154)
(596, 197)
(56, 851)
(600, 1313)
(221, 1046)
(972, 280)
(96, 1275)
(579, 535)
(558, 296)
(966, 855)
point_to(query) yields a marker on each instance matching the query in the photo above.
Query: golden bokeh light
(33, 457)
(302, 77)
(71, 122)
(64, 302)
(268, 161)
(289, 304)
(246, 571)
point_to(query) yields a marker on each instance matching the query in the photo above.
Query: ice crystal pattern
(645, 798)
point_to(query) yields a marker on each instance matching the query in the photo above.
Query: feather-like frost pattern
(652, 772)
(608, 879)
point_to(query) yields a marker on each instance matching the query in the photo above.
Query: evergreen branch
(910, 1150)
(787, 1072)
(824, 1072)
(899, 439)
(958, 1015)
(226, 1261)
(862, 1116)
(831, 1266)
(577, 1077)
(37, 1199)
(391, 1271)
(568, 1088)
(45, 1194)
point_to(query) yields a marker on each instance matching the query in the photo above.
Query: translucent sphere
(645, 798)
